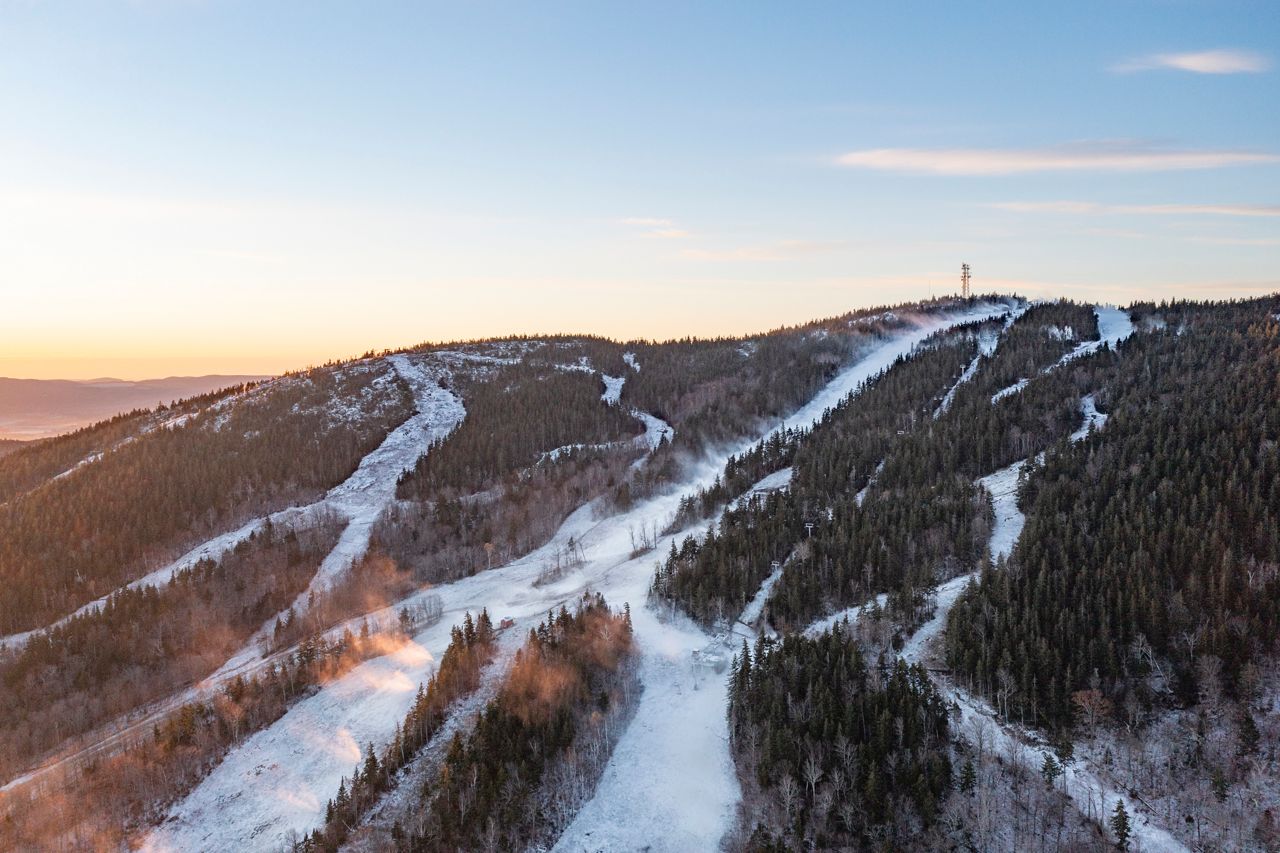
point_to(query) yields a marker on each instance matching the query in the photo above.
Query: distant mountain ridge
(39, 408)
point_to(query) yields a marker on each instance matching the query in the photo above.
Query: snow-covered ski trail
(1093, 419)
(1114, 326)
(259, 801)
(363, 496)
(1094, 798)
(359, 499)
(987, 343)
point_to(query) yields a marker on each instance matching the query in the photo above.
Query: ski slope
(1003, 487)
(670, 783)
(1092, 795)
(359, 499)
(1093, 419)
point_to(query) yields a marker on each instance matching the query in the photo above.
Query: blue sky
(193, 186)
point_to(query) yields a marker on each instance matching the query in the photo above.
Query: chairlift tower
(964, 280)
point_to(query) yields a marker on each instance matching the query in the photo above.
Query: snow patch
(612, 389)
(1114, 326)
(1093, 419)
(871, 481)
(1015, 388)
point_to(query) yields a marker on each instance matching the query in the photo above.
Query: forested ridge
(920, 519)
(712, 578)
(514, 416)
(121, 795)
(75, 539)
(1122, 657)
(1148, 569)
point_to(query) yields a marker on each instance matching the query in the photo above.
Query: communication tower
(964, 280)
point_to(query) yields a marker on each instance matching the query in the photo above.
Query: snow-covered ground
(945, 597)
(655, 429)
(359, 499)
(1003, 486)
(850, 614)
(1015, 388)
(1093, 419)
(1114, 326)
(770, 483)
(755, 606)
(871, 481)
(363, 496)
(670, 783)
(1092, 795)
(988, 340)
(612, 388)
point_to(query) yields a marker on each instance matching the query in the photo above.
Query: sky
(196, 186)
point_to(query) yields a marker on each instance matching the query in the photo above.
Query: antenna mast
(964, 280)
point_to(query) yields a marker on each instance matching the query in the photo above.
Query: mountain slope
(887, 476)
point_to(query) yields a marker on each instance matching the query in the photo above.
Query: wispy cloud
(663, 229)
(1199, 62)
(1080, 157)
(1093, 208)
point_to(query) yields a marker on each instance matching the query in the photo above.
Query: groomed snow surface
(670, 783)
(1003, 486)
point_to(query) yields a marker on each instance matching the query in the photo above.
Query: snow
(211, 549)
(880, 359)
(1092, 796)
(769, 483)
(1003, 486)
(988, 340)
(1114, 326)
(372, 487)
(88, 460)
(1015, 388)
(654, 430)
(755, 606)
(1093, 419)
(850, 614)
(630, 359)
(612, 388)
(179, 421)
(944, 598)
(871, 481)
(363, 496)
(969, 370)
(670, 783)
